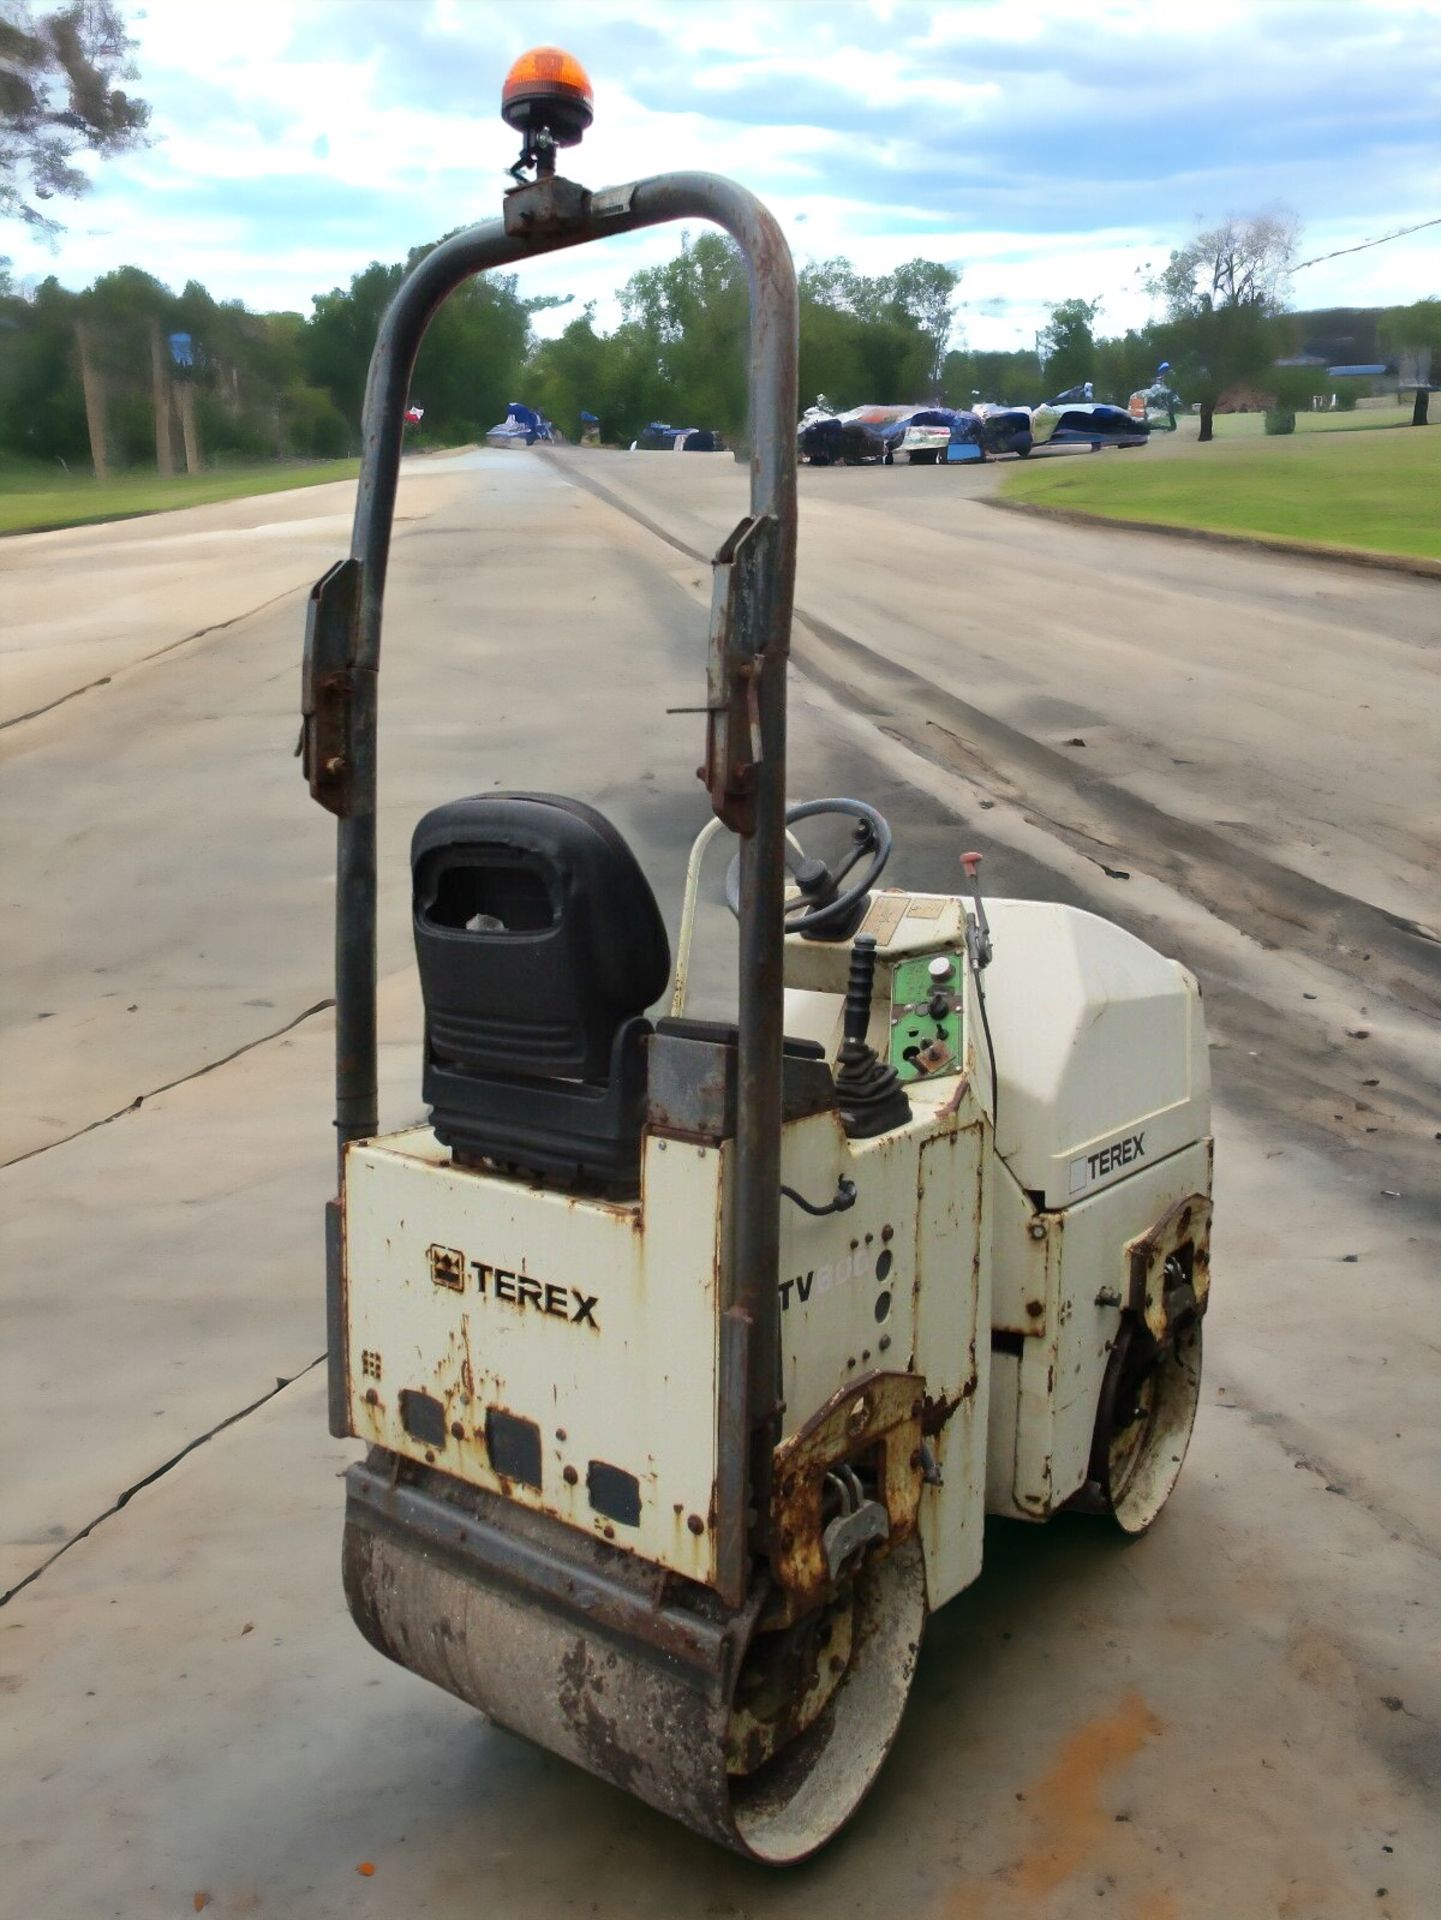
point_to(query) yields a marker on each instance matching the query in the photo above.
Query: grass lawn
(1381, 491)
(1251, 426)
(32, 495)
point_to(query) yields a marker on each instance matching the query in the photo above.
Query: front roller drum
(645, 1680)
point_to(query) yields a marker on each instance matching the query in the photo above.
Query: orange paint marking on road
(1066, 1802)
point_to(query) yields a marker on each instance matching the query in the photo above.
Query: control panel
(926, 999)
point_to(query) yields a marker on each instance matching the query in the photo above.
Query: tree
(1125, 364)
(1006, 378)
(925, 293)
(1067, 345)
(42, 404)
(119, 322)
(1413, 334)
(337, 344)
(57, 98)
(469, 363)
(875, 338)
(568, 376)
(690, 320)
(1223, 296)
(1241, 263)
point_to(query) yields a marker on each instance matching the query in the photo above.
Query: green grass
(32, 495)
(1251, 426)
(1378, 492)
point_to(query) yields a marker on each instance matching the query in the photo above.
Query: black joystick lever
(859, 988)
(868, 1090)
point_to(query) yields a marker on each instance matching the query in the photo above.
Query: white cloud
(298, 139)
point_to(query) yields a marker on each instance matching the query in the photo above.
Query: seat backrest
(537, 936)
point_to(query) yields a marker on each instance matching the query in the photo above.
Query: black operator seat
(540, 946)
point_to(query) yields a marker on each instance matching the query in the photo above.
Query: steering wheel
(823, 904)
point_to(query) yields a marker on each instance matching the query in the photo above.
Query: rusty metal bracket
(740, 612)
(546, 206)
(328, 687)
(1169, 1267)
(875, 1424)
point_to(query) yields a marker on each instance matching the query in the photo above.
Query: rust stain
(967, 1901)
(1066, 1803)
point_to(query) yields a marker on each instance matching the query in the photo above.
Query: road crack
(157, 1473)
(196, 1074)
(104, 680)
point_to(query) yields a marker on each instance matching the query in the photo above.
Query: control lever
(978, 928)
(858, 1523)
(868, 1090)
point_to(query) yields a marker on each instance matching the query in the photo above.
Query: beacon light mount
(547, 98)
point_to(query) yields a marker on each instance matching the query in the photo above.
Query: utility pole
(160, 399)
(93, 382)
(185, 404)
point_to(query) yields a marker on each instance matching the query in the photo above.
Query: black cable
(991, 1052)
(845, 1199)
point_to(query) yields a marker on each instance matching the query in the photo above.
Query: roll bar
(745, 745)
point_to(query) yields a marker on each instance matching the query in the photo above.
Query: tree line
(130, 373)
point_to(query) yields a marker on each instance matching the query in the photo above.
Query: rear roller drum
(766, 1741)
(1143, 1425)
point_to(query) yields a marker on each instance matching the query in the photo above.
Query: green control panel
(926, 998)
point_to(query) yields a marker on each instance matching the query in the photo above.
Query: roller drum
(615, 1666)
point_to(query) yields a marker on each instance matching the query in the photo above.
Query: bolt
(1037, 1229)
(695, 1523)
(1035, 1308)
(457, 1431)
(570, 1476)
(372, 1398)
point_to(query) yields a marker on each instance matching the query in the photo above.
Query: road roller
(690, 1355)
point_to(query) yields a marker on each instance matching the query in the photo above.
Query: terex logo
(448, 1267)
(1119, 1154)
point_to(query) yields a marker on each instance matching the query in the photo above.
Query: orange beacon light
(547, 92)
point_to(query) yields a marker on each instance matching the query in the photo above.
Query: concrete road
(1238, 1716)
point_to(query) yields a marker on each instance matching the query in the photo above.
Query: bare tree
(1222, 294)
(1244, 262)
(57, 98)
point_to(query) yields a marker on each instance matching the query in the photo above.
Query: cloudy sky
(1049, 148)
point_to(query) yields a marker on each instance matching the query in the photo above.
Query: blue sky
(1048, 148)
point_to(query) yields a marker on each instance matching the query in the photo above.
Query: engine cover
(1100, 1050)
